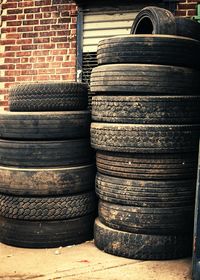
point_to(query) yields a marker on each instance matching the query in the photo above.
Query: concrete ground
(84, 262)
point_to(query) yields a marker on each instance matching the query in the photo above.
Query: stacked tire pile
(47, 173)
(145, 128)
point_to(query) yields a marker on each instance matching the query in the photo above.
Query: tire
(141, 246)
(47, 181)
(60, 96)
(187, 28)
(144, 138)
(47, 208)
(145, 79)
(45, 153)
(148, 166)
(44, 125)
(46, 234)
(168, 221)
(146, 109)
(153, 49)
(154, 20)
(145, 193)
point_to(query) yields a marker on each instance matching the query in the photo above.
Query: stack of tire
(47, 173)
(145, 128)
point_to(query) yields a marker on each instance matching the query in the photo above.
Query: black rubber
(47, 208)
(141, 246)
(45, 153)
(188, 28)
(145, 79)
(145, 193)
(47, 181)
(44, 125)
(144, 138)
(148, 166)
(149, 49)
(57, 96)
(168, 221)
(146, 109)
(46, 234)
(154, 20)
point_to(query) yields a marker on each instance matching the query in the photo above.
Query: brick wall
(38, 42)
(187, 8)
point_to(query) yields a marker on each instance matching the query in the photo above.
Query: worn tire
(141, 246)
(45, 153)
(47, 208)
(145, 193)
(47, 181)
(148, 166)
(168, 221)
(149, 49)
(46, 234)
(44, 125)
(58, 96)
(144, 138)
(146, 109)
(145, 79)
(154, 20)
(187, 28)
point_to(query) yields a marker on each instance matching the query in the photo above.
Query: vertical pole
(79, 45)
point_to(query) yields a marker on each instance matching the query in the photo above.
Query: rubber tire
(149, 49)
(144, 138)
(154, 20)
(47, 208)
(148, 166)
(57, 96)
(141, 246)
(146, 109)
(44, 125)
(145, 193)
(187, 28)
(47, 181)
(166, 221)
(45, 153)
(46, 234)
(145, 79)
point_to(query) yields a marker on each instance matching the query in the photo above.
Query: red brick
(63, 45)
(3, 103)
(59, 39)
(26, 3)
(63, 33)
(59, 26)
(6, 18)
(32, 10)
(69, 77)
(29, 72)
(31, 22)
(29, 35)
(41, 28)
(24, 41)
(13, 23)
(7, 54)
(40, 59)
(65, 14)
(21, 17)
(72, 26)
(186, 6)
(29, 47)
(25, 29)
(41, 78)
(41, 65)
(49, 9)
(24, 60)
(13, 36)
(38, 16)
(191, 12)
(47, 15)
(24, 78)
(46, 71)
(23, 66)
(19, 54)
(68, 64)
(180, 13)
(58, 52)
(43, 3)
(29, 16)
(48, 34)
(41, 40)
(64, 20)
(7, 66)
(46, 46)
(3, 91)
(7, 79)
(48, 21)
(55, 77)
(7, 42)
(50, 58)
(8, 29)
(10, 73)
(14, 11)
(9, 6)
(12, 48)
(41, 53)
(11, 60)
(59, 58)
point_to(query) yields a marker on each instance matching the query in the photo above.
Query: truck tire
(141, 246)
(58, 96)
(44, 125)
(146, 109)
(145, 193)
(46, 234)
(187, 28)
(144, 79)
(154, 20)
(144, 138)
(47, 181)
(149, 49)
